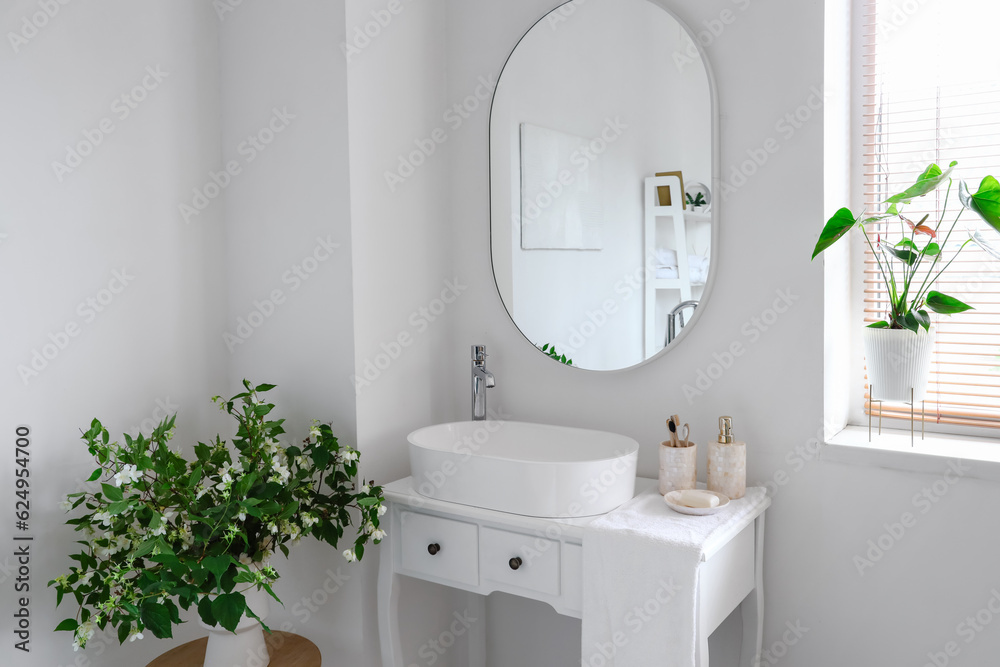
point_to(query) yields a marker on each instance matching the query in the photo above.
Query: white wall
(767, 58)
(153, 346)
(288, 228)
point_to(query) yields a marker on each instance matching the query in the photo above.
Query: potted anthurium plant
(164, 532)
(898, 348)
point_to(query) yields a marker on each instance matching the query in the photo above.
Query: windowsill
(931, 455)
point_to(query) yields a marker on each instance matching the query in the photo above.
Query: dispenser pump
(725, 430)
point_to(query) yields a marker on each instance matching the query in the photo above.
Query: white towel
(640, 565)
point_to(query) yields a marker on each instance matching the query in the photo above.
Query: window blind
(931, 94)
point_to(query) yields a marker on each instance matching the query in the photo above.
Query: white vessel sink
(521, 468)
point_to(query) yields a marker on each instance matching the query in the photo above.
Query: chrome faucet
(677, 312)
(482, 380)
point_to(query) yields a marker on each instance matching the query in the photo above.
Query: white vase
(898, 360)
(245, 647)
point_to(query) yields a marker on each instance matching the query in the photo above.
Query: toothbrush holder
(678, 467)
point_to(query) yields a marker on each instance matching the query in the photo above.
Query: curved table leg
(388, 608)
(752, 607)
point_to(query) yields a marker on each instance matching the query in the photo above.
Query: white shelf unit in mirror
(686, 288)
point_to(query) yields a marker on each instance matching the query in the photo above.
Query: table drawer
(439, 547)
(538, 568)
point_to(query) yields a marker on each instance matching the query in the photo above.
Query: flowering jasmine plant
(164, 532)
(910, 263)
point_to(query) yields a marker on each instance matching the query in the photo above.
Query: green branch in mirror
(551, 351)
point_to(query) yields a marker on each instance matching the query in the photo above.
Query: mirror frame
(716, 197)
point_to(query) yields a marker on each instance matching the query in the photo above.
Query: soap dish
(673, 496)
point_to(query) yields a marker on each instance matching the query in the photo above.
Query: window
(931, 93)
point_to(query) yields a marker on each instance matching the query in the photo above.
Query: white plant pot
(898, 360)
(245, 647)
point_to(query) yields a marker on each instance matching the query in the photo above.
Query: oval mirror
(602, 152)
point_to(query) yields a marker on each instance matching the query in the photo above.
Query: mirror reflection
(600, 158)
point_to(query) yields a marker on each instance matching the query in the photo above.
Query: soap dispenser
(727, 462)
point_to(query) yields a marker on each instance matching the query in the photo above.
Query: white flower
(134, 634)
(127, 475)
(350, 556)
(246, 560)
(83, 635)
(270, 446)
(66, 505)
(103, 517)
(382, 509)
(366, 488)
(280, 471)
(85, 579)
(347, 455)
(242, 516)
(308, 520)
(369, 527)
(378, 534)
(273, 527)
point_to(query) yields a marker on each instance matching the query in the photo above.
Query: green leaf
(922, 318)
(944, 304)
(112, 493)
(841, 223)
(118, 507)
(907, 243)
(926, 182)
(367, 502)
(156, 617)
(96, 475)
(205, 611)
(228, 609)
(879, 325)
(932, 249)
(910, 322)
(123, 631)
(985, 202)
(264, 387)
(906, 256)
(70, 624)
(217, 565)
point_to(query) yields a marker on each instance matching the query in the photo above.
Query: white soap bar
(695, 498)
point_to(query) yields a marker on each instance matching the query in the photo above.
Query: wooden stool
(285, 649)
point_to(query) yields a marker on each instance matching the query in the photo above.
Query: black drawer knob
(515, 562)
(432, 549)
